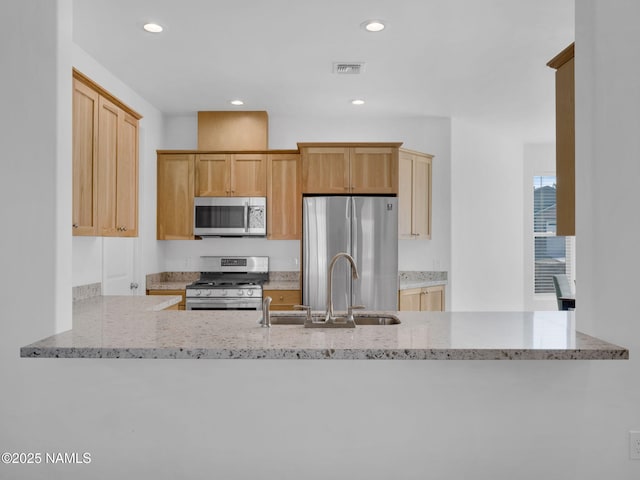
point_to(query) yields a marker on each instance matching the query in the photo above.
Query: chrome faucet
(266, 315)
(329, 317)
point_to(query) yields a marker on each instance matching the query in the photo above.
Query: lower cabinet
(422, 299)
(283, 299)
(178, 306)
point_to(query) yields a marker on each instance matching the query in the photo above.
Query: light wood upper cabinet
(107, 168)
(85, 159)
(176, 174)
(425, 299)
(105, 162)
(117, 172)
(374, 169)
(213, 175)
(127, 172)
(565, 141)
(231, 175)
(332, 168)
(284, 197)
(226, 131)
(414, 196)
(325, 170)
(248, 175)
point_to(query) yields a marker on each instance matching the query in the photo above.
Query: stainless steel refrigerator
(367, 229)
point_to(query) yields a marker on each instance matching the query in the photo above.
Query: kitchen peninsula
(140, 327)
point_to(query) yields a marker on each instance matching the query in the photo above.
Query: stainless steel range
(233, 283)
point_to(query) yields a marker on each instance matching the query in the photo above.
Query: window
(552, 255)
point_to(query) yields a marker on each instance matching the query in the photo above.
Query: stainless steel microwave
(230, 216)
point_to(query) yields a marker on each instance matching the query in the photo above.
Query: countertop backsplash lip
(170, 280)
(418, 279)
(283, 280)
(290, 280)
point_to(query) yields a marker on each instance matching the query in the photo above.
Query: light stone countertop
(136, 327)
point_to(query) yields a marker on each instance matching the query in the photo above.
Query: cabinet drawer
(283, 299)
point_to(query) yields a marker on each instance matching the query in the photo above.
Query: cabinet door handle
(75, 225)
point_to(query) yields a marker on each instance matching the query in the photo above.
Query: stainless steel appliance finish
(367, 229)
(233, 283)
(230, 216)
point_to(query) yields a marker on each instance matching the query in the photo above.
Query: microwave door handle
(246, 216)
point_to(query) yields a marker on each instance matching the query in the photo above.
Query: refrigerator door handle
(246, 216)
(354, 248)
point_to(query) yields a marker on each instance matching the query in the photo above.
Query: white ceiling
(478, 59)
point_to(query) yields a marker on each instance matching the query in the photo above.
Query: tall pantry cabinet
(414, 195)
(105, 162)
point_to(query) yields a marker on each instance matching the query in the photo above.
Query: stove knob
(250, 292)
(198, 293)
(240, 293)
(223, 293)
(208, 293)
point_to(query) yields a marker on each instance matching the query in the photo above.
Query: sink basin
(377, 320)
(366, 319)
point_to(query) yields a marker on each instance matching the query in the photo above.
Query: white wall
(167, 419)
(91, 254)
(427, 134)
(487, 214)
(32, 146)
(607, 63)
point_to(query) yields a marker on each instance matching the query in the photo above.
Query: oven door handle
(246, 216)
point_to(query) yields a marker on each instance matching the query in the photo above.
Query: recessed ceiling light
(152, 27)
(373, 25)
(237, 102)
(357, 101)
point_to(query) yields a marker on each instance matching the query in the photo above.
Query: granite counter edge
(613, 353)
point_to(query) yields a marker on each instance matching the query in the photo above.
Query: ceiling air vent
(348, 68)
